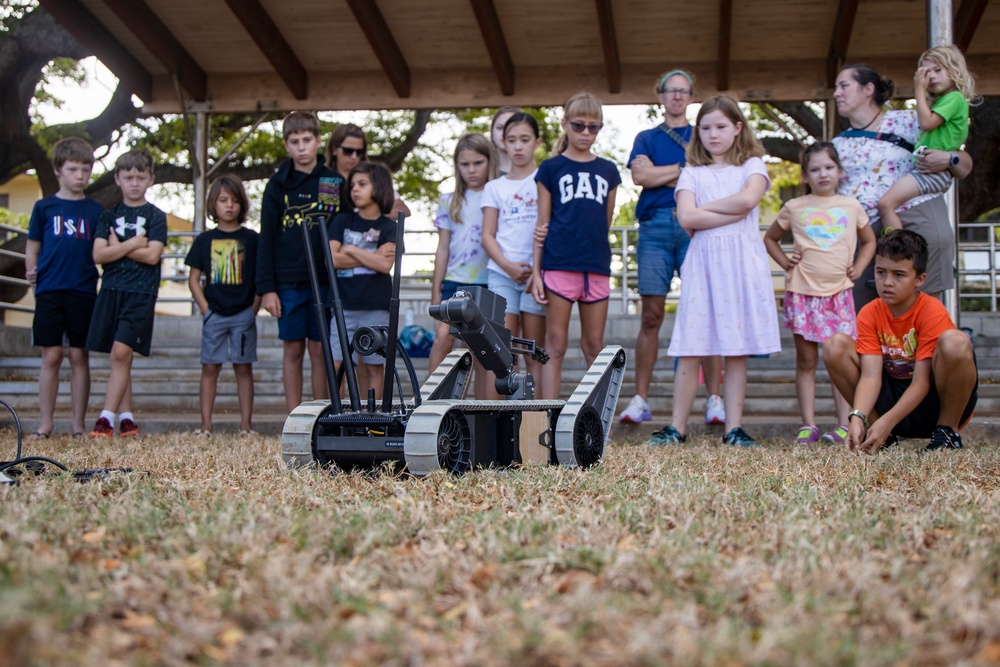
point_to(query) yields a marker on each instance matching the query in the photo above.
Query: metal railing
(979, 257)
(9, 232)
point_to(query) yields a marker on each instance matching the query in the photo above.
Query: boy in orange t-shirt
(911, 374)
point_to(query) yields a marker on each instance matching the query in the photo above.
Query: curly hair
(951, 59)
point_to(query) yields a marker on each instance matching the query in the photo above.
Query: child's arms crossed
(112, 249)
(723, 211)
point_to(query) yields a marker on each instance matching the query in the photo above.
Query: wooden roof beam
(609, 42)
(262, 29)
(496, 43)
(967, 20)
(92, 34)
(725, 39)
(843, 26)
(376, 30)
(155, 36)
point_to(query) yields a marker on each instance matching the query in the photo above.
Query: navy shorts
(662, 246)
(122, 317)
(298, 314)
(62, 315)
(229, 338)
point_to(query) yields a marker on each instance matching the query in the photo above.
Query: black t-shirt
(362, 288)
(126, 274)
(227, 259)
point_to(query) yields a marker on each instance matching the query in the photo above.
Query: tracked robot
(433, 427)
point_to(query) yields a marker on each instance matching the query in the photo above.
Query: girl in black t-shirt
(363, 245)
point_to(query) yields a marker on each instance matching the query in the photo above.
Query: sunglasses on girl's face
(352, 151)
(580, 126)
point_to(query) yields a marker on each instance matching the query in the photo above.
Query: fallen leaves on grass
(696, 554)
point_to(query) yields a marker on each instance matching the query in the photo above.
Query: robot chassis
(437, 429)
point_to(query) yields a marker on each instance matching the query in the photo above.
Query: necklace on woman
(872, 121)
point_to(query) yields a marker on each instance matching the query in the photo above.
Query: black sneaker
(739, 438)
(891, 441)
(944, 437)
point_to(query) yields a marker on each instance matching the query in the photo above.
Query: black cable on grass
(37, 469)
(18, 459)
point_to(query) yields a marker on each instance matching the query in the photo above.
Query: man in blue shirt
(657, 158)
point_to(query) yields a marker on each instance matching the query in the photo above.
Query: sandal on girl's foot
(38, 435)
(807, 435)
(248, 433)
(837, 436)
(202, 433)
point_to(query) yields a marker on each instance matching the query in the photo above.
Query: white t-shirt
(517, 204)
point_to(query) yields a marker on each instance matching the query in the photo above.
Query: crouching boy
(912, 374)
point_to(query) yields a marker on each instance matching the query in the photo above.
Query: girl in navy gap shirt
(576, 202)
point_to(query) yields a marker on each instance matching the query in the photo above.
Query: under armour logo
(139, 226)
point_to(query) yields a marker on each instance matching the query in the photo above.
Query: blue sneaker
(665, 437)
(739, 438)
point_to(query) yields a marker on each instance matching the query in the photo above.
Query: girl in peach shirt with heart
(820, 272)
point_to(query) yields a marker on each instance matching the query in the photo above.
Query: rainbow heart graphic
(824, 226)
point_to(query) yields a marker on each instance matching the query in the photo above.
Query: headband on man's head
(674, 72)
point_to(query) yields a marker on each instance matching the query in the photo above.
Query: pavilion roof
(246, 55)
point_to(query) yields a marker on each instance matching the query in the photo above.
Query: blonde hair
(744, 147)
(581, 104)
(478, 144)
(951, 59)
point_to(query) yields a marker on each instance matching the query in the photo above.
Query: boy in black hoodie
(303, 191)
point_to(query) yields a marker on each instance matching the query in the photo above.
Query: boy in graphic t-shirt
(225, 257)
(912, 374)
(128, 243)
(59, 266)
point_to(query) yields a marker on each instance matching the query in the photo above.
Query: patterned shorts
(816, 318)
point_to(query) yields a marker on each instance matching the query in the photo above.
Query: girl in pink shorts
(572, 259)
(820, 273)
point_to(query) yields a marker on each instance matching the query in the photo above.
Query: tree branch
(782, 148)
(106, 193)
(394, 159)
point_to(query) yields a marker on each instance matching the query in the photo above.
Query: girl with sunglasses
(572, 256)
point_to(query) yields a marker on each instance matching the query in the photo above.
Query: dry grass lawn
(696, 555)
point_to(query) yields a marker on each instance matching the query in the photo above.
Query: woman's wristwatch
(860, 415)
(953, 159)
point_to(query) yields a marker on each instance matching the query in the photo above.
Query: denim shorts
(298, 314)
(355, 319)
(518, 300)
(663, 243)
(229, 338)
(449, 287)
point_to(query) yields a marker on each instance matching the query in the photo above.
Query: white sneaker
(715, 410)
(637, 411)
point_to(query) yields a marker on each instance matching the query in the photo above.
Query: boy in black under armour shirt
(128, 243)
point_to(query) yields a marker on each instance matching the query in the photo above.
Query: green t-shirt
(950, 135)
